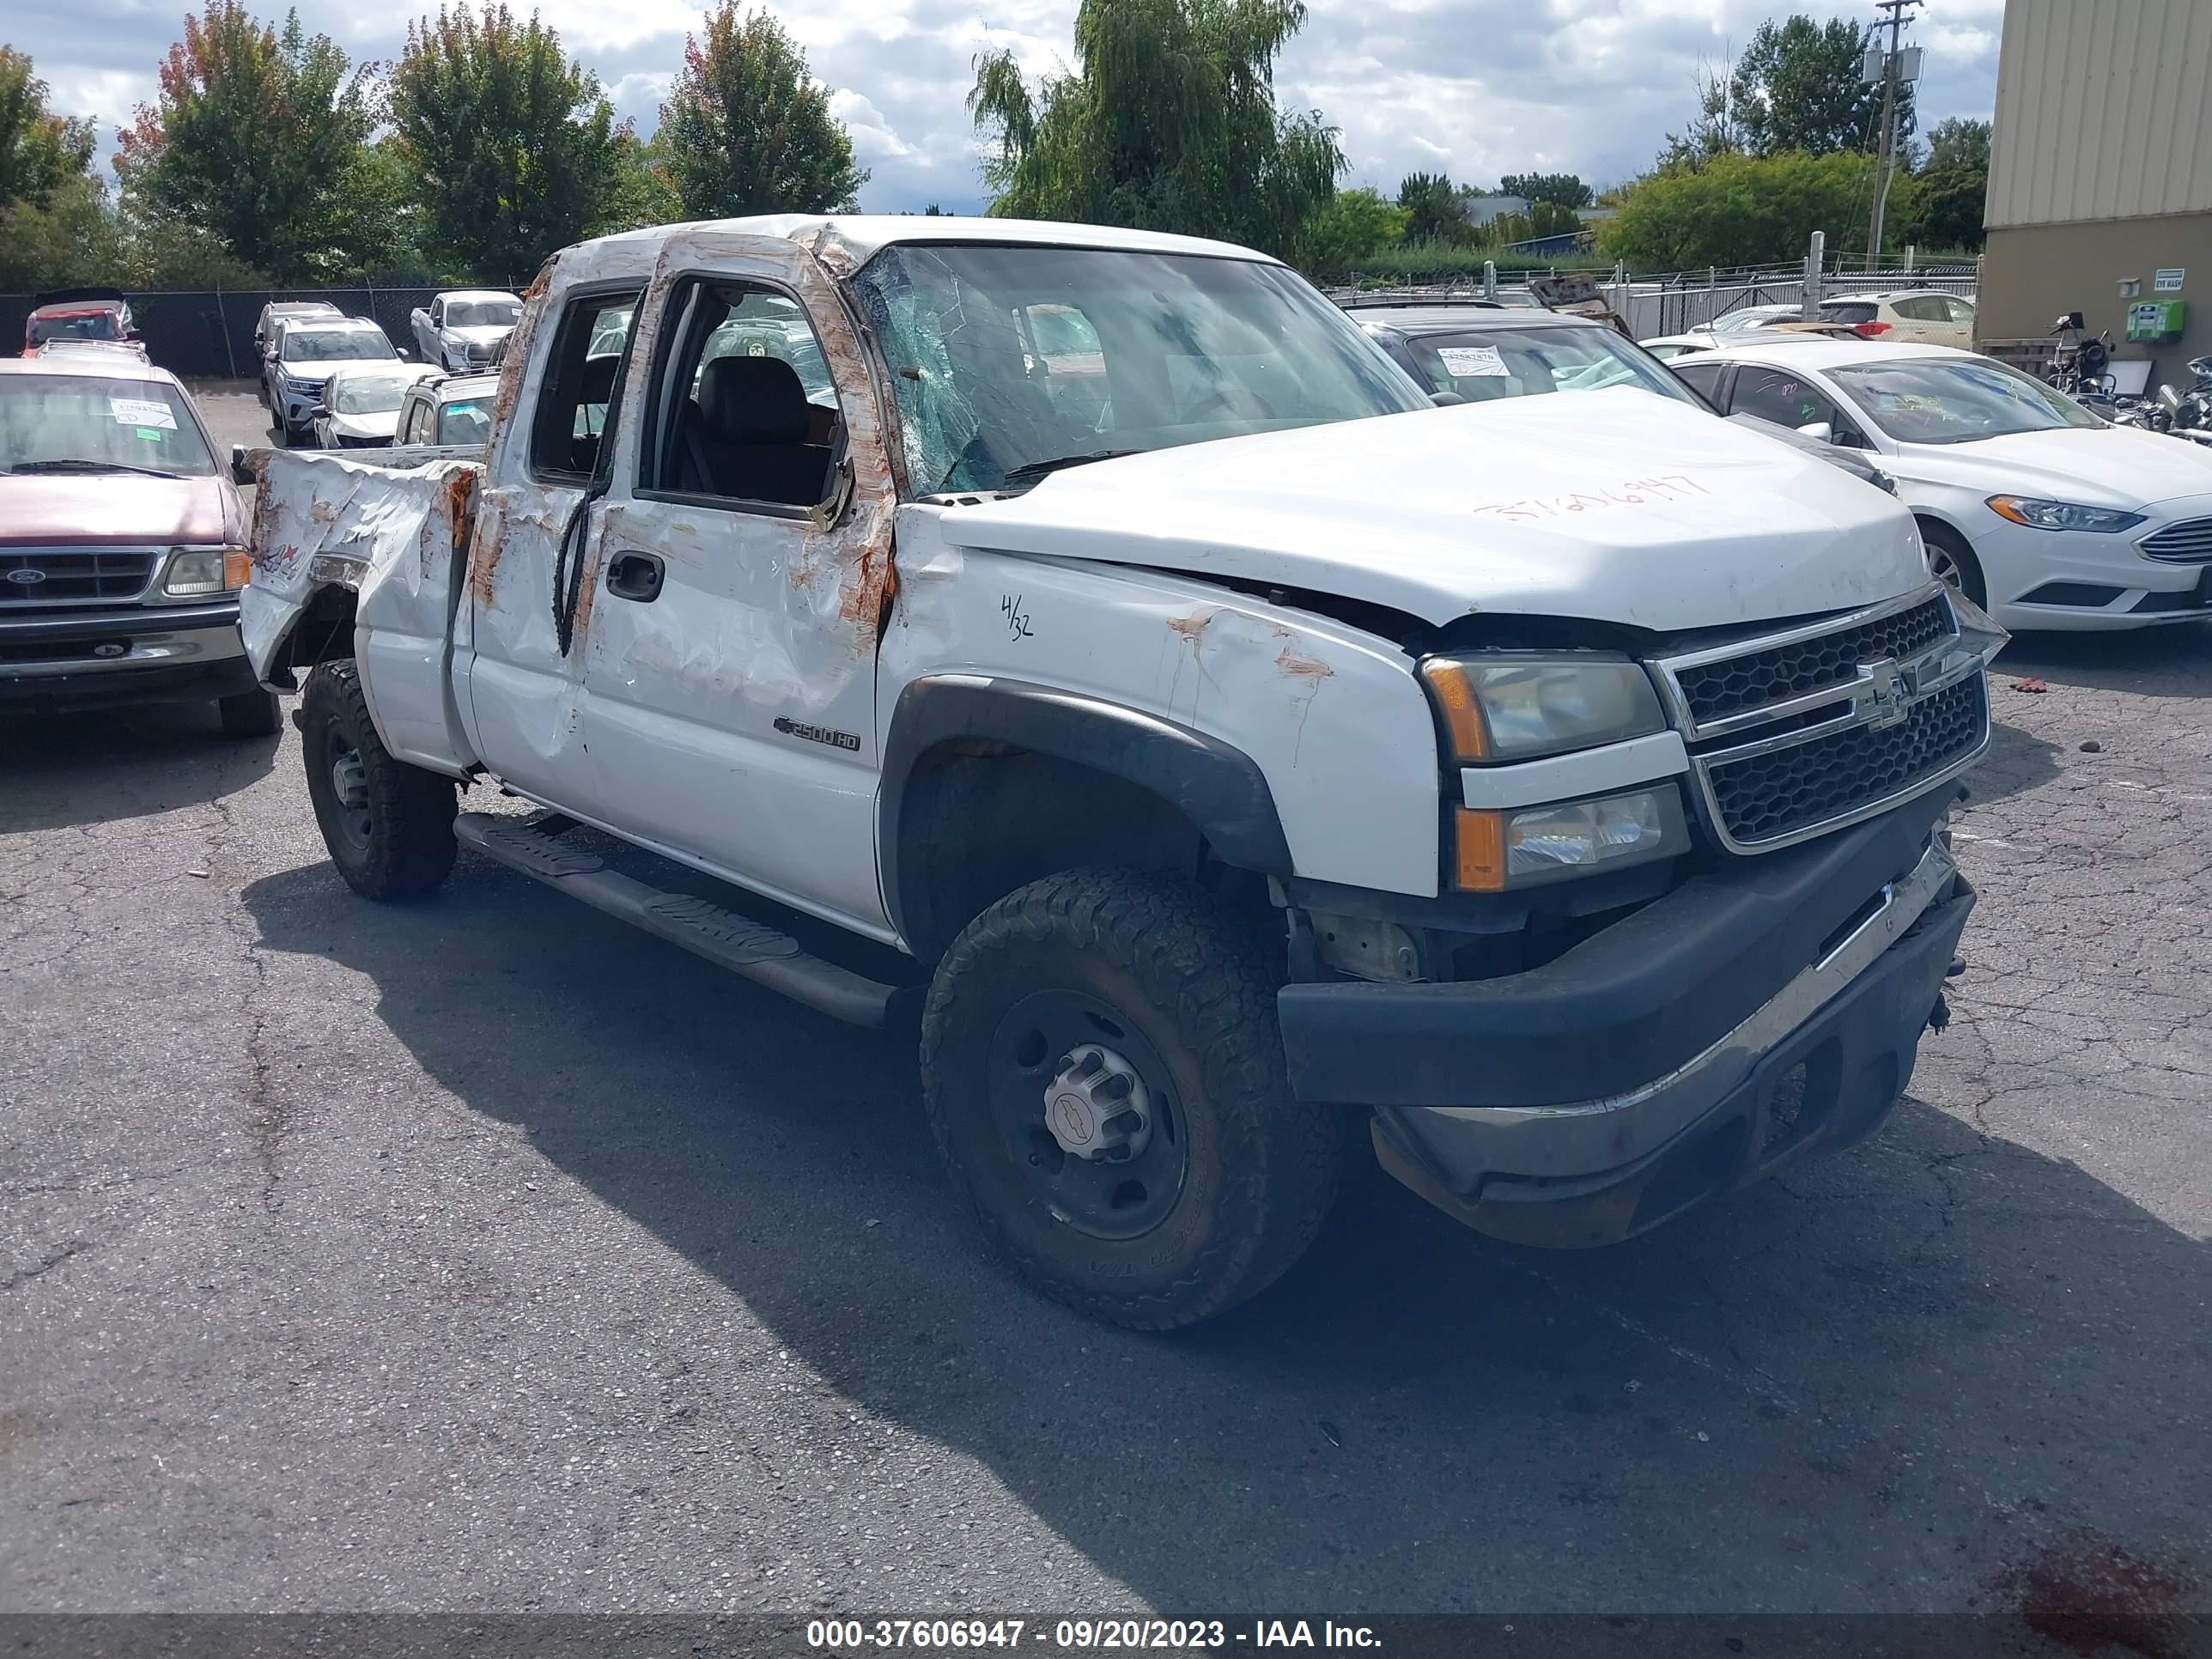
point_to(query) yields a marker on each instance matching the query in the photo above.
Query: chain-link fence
(210, 335)
(1681, 301)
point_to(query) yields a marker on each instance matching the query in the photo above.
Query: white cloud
(1475, 88)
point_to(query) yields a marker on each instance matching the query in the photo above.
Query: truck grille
(1715, 690)
(46, 576)
(1771, 797)
(2189, 542)
(1800, 732)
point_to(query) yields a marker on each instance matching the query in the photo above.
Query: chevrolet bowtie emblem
(1885, 692)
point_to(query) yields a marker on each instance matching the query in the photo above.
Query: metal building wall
(2104, 110)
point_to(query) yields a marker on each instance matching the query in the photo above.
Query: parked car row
(339, 381)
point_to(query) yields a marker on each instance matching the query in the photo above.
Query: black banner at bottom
(2121, 1627)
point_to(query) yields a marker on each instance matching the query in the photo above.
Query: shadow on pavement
(1868, 1385)
(63, 770)
(2014, 762)
(2173, 661)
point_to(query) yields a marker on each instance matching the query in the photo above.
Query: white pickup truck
(1244, 757)
(461, 330)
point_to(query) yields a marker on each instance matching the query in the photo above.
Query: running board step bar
(723, 937)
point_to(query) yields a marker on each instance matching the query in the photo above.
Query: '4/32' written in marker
(1017, 620)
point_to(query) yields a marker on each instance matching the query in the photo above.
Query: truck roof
(477, 293)
(864, 235)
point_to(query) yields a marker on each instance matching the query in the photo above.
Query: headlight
(1531, 845)
(2061, 515)
(1511, 708)
(201, 572)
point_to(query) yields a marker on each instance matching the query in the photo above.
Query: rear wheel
(389, 826)
(1953, 563)
(1104, 1074)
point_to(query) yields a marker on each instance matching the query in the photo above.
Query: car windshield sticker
(1465, 362)
(138, 411)
(149, 434)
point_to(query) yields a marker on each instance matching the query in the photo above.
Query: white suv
(1921, 317)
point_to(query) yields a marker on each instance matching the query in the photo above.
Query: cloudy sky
(1471, 87)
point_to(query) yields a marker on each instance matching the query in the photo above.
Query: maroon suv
(121, 545)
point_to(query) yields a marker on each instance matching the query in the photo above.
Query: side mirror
(1819, 431)
(319, 410)
(241, 469)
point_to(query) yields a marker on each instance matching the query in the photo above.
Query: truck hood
(1616, 506)
(121, 508)
(380, 425)
(2101, 466)
(318, 374)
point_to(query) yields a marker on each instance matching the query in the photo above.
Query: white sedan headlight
(2061, 515)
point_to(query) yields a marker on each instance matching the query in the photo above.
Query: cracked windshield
(1011, 361)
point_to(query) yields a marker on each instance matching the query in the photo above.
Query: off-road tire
(1262, 1170)
(250, 714)
(408, 848)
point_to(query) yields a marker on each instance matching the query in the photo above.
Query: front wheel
(1952, 563)
(389, 826)
(1102, 1072)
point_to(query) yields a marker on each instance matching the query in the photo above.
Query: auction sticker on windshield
(139, 411)
(1467, 362)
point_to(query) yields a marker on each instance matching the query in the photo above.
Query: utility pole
(1898, 11)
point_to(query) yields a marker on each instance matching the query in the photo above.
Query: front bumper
(2074, 582)
(148, 653)
(1731, 1027)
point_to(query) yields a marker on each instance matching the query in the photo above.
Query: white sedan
(360, 409)
(2045, 514)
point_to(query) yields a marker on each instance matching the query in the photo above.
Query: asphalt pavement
(482, 1253)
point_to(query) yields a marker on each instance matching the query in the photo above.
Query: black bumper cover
(1856, 1055)
(1626, 1006)
(126, 683)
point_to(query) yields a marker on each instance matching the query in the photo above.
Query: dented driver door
(740, 580)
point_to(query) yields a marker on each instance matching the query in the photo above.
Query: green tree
(253, 137)
(1168, 123)
(1433, 210)
(511, 146)
(40, 152)
(1798, 85)
(1947, 202)
(641, 194)
(70, 238)
(1956, 142)
(1563, 188)
(1743, 210)
(1354, 225)
(1714, 131)
(747, 129)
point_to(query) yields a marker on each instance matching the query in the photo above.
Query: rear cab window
(577, 392)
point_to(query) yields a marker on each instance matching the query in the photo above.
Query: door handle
(635, 576)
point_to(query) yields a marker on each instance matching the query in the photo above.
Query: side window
(1962, 311)
(437, 313)
(1924, 310)
(1702, 378)
(745, 409)
(576, 402)
(411, 422)
(1776, 395)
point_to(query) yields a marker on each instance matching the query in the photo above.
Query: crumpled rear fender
(386, 541)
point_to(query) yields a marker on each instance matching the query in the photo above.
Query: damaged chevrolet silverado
(1243, 759)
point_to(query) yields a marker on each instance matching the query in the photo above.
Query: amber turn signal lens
(1479, 856)
(237, 566)
(1454, 695)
